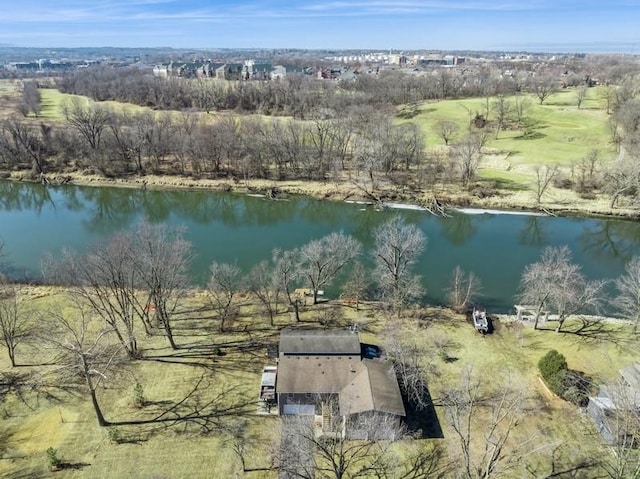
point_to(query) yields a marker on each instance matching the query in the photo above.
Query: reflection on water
(612, 239)
(229, 227)
(534, 233)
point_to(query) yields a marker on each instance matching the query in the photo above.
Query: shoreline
(565, 203)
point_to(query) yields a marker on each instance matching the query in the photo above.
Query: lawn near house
(229, 366)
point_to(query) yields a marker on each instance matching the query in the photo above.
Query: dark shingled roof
(329, 362)
(375, 388)
(321, 342)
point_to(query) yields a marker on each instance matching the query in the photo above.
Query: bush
(553, 367)
(138, 396)
(54, 461)
(115, 435)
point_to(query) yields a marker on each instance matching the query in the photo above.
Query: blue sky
(560, 25)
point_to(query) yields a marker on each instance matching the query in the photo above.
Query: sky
(533, 25)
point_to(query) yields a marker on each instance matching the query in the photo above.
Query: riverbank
(555, 202)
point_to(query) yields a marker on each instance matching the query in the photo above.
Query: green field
(558, 132)
(33, 421)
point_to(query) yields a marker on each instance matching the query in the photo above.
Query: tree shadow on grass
(423, 422)
(507, 184)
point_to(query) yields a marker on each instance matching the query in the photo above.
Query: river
(35, 220)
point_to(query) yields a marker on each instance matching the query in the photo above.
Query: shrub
(138, 396)
(54, 461)
(553, 367)
(115, 435)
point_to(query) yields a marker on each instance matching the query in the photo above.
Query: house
(616, 409)
(229, 71)
(257, 70)
(318, 367)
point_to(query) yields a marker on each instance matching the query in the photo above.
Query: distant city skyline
(536, 25)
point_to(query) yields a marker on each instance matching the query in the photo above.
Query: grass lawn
(558, 132)
(65, 420)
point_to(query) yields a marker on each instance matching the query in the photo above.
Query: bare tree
(628, 288)
(162, 257)
(107, 280)
(543, 87)
(16, 325)
(411, 368)
(468, 154)
(503, 107)
(556, 283)
(89, 120)
(263, 283)
(446, 129)
(544, 176)
(82, 353)
(621, 460)
(489, 453)
(622, 177)
(224, 284)
(398, 246)
(24, 143)
(30, 102)
(307, 453)
(286, 271)
(321, 260)
(357, 283)
(520, 105)
(463, 289)
(581, 95)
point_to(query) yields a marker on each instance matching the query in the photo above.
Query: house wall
(600, 419)
(310, 399)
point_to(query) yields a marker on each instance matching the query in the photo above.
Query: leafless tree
(224, 283)
(541, 278)
(263, 283)
(107, 280)
(398, 246)
(588, 170)
(520, 105)
(90, 121)
(502, 107)
(23, 143)
(556, 283)
(285, 264)
(628, 288)
(621, 460)
(543, 87)
(581, 95)
(357, 283)
(468, 154)
(306, 453)
(484, 427)
(30, 102)
(446, 129)
(411, 368)
(622, 177)
(545, 175)
(321, 260)
(463, 289)
(161, 257)
(83, 352)
(16, 325)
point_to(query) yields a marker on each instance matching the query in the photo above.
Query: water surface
(35, 219)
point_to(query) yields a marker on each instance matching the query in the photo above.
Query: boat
(480, 321)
